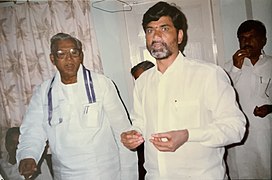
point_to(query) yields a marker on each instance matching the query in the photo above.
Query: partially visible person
(136, 71)
(251, 72)
(9, 164)
(81, 115)
(185, 110)
(139, 68)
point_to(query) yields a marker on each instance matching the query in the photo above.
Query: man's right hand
(239, 56)
(132, 139)
(27, 167)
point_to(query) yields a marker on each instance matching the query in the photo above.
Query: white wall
(233, 12)
(113, 45)
(262, 10)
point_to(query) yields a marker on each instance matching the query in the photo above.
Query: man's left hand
(263, 110)
(169, 141)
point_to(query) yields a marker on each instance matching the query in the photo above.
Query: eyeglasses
(63, 54)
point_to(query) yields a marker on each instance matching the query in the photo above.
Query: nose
(157, 34)
(247, 41)
(68, 55)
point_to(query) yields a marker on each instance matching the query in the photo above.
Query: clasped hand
(27, 167)
(262, 111)
(165, 142)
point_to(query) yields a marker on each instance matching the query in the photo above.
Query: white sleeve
(228, 122)
(120, 123)
(32, 138)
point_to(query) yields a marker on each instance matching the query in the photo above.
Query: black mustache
(247, 47)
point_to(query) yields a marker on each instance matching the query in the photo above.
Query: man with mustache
(184, 109)
(251, 73)
(81, 115)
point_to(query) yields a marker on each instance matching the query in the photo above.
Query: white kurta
(84, 138)
(190, 95)
(252, 160)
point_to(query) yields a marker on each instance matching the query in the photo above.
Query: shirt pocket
(91, 115)
(187, 113)
(265, 88)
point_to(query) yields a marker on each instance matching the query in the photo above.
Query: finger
(126, 134)
(241, 52)
(134, 141)
(132, 145)
(28, 171)
(161, 146)
(28, 177)
(131, 134)
(159, 143)
(156, 139)
(161, 135)
(127, 137)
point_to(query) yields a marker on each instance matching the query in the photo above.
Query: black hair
(63, 36)
(249, 25)
(164, 9)
(144, 64)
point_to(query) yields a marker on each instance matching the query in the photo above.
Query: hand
(239, 56)
(169, 141)
(27, 167)
(263, 110)
(132, 139)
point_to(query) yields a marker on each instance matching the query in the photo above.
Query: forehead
(164, 20)
(251, 33)
(67, 43)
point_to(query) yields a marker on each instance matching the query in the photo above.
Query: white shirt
(252, 160)
(191, 95)
(84, 138)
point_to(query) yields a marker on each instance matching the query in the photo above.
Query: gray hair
(63, 36)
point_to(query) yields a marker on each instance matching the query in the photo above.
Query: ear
(180, 36)
(82, 57)
(52, 58)
(264, 41)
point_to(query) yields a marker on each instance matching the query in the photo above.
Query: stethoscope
(88, 86)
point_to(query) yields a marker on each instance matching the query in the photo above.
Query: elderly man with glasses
(81, 115)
